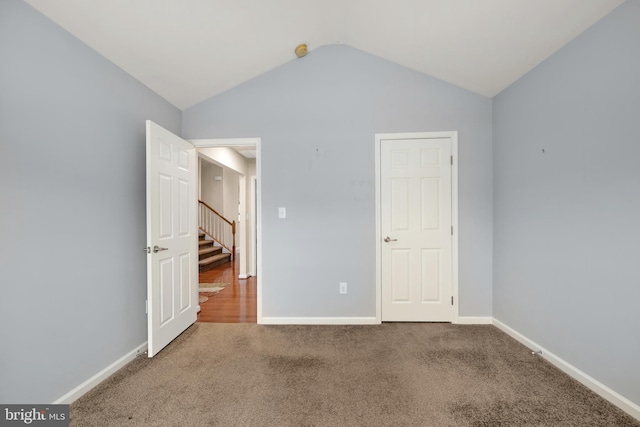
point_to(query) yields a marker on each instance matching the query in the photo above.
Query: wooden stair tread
(212, 249)
(214, 258)
(205, 242)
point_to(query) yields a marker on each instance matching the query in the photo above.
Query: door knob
(157, 248)
(389, 239)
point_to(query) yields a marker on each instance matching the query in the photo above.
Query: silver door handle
(157, 248)
(389, 239)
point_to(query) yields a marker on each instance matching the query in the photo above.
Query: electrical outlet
(343, 287)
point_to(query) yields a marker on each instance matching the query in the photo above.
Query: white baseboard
(465, 320)
(319, 321)
(596, 386)
(243, 276)
(473, 320)
(83, 388)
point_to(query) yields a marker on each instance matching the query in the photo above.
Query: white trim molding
(223, 142)
(596, 386)
(87, 385)
(319, 321)
(473, 320)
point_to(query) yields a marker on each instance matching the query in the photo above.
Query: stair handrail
(216, 212)
(217, 227)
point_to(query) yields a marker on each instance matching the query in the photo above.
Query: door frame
(253, 248)
(257, 142)
(453, 136)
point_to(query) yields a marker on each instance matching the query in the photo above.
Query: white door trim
(453, 135)
(252, 247)
(228, 142)
(242, 222)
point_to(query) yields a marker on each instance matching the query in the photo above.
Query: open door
(172, 264)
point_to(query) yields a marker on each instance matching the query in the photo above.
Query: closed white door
(416, 229)
(172, 264)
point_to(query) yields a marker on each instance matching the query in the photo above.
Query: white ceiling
(190, 50)
(248, 151)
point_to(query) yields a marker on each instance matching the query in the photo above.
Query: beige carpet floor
(386, 375)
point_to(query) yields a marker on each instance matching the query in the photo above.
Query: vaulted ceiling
(190, 50)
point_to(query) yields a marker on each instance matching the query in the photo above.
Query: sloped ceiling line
(190, 50)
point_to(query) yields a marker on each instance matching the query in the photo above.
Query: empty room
(424, 218)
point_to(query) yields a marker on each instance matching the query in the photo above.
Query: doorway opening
(233, 168)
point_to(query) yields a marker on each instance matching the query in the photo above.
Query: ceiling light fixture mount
(301, 50)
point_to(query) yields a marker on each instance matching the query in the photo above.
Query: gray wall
(566, 221)
(72, 210)
(317, 117)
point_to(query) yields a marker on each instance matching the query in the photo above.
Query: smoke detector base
(301, 50)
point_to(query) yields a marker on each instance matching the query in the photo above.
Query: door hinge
(451, 160)
(451, 300)
(146, 306)
(452, 230)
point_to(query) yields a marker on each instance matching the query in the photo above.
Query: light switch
(282, 213)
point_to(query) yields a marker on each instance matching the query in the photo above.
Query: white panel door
(172, 260)
(416, 220)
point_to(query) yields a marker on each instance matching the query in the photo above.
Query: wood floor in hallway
(237, 303)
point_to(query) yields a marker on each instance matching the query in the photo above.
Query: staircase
(210, 256)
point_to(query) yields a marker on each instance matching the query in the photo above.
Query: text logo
(34, 415)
